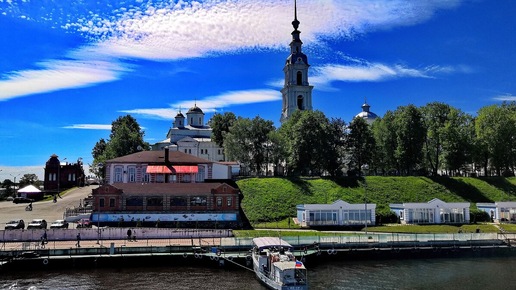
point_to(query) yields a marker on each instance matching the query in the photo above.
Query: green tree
(247, 142)
(435, 117)
(410, 135)
(28, 179)
(386, 141)
(126, 138)
(220, 125)
(495, 129)
(360, 143)
(335, 151)
(276, 151)
(308, 137)
(458, 141)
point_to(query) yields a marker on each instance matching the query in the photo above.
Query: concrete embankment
(230, 251)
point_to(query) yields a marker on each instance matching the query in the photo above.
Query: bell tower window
(300, 104)
(299, 78)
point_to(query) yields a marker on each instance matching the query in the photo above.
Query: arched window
(300, 104)
(299, 78)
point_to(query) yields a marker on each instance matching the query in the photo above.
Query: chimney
(166, 155)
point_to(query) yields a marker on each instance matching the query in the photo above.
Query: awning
(186, 169)
(158, 169)
(162, 169)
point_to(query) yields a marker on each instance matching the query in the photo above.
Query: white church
(191, 135)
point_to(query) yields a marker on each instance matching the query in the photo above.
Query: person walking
(78, 244)
(129, 234)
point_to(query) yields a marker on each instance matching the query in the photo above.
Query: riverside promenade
(23, 249)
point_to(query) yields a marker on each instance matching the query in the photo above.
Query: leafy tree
(410, 135)
(458, 140)
(220, 125)
(28, 179)
(126, 138)
(495, 129)
(386, 141)
(247, 142)
(336, 147)
(276, 151)
(308, 137)
(360, 143)
(435, 117)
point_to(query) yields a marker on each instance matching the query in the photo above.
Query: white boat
(275, 264)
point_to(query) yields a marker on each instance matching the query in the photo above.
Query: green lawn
(271, 202)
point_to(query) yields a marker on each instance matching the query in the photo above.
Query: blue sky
(69, 68)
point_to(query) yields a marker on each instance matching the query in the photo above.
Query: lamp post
(365, 167)
(100, 166)
(59, 179)
(15, 189)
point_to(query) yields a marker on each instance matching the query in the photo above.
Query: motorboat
(276, 266)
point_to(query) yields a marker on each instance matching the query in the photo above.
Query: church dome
(366, 114)
(195, 110)
(180, 115)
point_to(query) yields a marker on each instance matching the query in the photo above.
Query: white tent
(30, 191)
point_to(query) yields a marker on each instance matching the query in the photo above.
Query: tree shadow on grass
(501, 183)
(346, 181)
(302, 184)
(462, 189)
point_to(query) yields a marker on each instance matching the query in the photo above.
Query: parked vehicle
(15, 224)
(37, 224)
(20, 199)
(59, 224)
(84, 223)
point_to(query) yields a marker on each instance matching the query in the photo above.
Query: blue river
(436, 273)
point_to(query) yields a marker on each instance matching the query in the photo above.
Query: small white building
(502, 211)
(339, 213)
(435, 211)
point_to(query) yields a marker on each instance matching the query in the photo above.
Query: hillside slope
(272, 199)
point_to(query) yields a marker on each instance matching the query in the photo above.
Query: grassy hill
(275, 199)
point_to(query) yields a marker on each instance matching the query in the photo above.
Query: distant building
(296, 92)
(191, 136)
(186, 205)
(59, 176)
(166, 188)
(435, 211)
(501, 211)
(164, 166)
(366, 114)
(339, 213)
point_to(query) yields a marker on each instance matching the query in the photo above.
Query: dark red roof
(158, 157)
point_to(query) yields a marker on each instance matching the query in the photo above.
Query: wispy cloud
(163, 30)
(211, 104)
(360, 71)
(505, 98)
(89, 126)
(57, 75)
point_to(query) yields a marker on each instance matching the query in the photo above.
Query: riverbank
(231, 251)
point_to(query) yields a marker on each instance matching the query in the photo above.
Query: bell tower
(296, 92)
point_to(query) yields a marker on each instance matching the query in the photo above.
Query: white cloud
(174, 30)
(89, 126)
(164, 31)
(505, 98)
(211, 104)
(57, 75)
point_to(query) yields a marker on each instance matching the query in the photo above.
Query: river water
(436, 273)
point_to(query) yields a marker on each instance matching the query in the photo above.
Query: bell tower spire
(296, 92)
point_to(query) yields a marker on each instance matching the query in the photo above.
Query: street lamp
(365, 167)
(15, 189)
(99, 168)
(59, 179)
